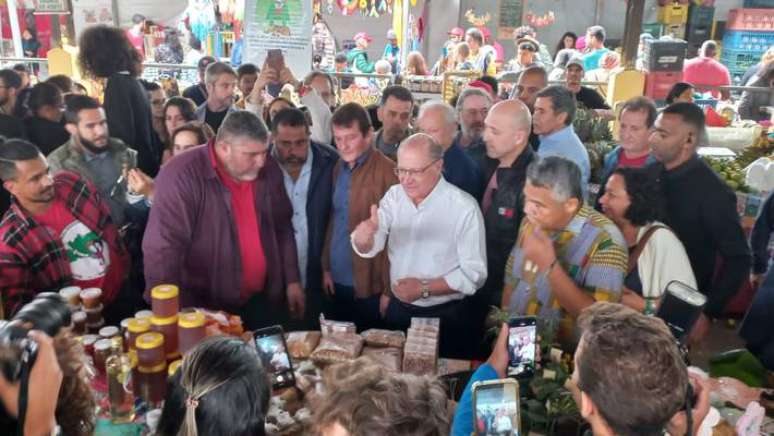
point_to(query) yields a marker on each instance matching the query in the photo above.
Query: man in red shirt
(705, 70)
(136, 33)
(58, 232)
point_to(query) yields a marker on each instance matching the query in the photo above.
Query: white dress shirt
(298, 191)
(442, 237)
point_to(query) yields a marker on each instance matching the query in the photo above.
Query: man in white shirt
(436, 245)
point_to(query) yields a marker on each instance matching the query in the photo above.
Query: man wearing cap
(525, 58)
(357, 59)
(543, 56)
(583, 94)
(392, 51)
(198, 91)
(595, 45)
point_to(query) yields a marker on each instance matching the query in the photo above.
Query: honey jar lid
(89, 339)
(148, 341)
(165, 292)
(155, 320)
(102, 345)
(108, 332)
(138, 325)
(143, 314)
(173, 367)
(152, 369)
(191, 320)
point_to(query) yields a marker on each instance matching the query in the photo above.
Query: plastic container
(93, 315)
(150, 349)
(655, 29)
(94, 327)
(134, 328)
(673, 14)
(658, 84)
(191, 330)
(753, 42)
(676, 31)
(661, 55)
(165, 301)
(79, 322)
(109, 332)
(760, 4)
(91, 298)
(144, 314)
(167, 327)
(738, 61)
(700, 15)
(750, 19)
(153, 383)
(72, 295)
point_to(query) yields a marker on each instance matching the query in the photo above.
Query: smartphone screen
(522, 343)
(680, 307)
(496, 408)
(273, 352)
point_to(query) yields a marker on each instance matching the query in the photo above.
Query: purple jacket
(191, 240)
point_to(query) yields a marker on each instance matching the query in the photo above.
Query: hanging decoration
(477, 20)
(348, 6)
(330, 7)
(536, 22)
(374, 13)
(383, 6)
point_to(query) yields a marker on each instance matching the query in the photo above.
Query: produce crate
(655, 29)
(658, 84)
(698, 34)
(677, 31)
(700, 15)
(738, 61)
(751, 19)
(754, 42)
(673, 14)
(761, 4)
(660, 55)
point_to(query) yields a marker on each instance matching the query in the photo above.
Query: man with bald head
(436, 246)
(531, 81)
(506, 135)
(439, 120)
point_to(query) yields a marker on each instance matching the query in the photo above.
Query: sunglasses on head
(527, 47)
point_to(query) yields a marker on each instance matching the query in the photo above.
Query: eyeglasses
(527, 47)
(404, 172)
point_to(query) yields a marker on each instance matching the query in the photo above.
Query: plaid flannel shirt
(32, 260)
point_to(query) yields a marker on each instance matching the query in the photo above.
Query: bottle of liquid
(119, 376)
(651, 304)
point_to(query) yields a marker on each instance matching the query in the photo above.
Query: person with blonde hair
(221, 388)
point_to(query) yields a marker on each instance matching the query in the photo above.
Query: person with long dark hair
(44, 125)
(105, 52)
(567, 41)
(680, 92)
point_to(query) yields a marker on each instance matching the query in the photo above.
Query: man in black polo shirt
(583, 94)
(701, 209)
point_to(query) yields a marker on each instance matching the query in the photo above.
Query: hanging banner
(51, 7)
(279, 24)
(90, 12)
(167, 12)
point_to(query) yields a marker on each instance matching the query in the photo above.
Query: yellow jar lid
(149, 341)
(152, 369)
(133, 359)
(165, 292)
(191, 320)
(163, 321)
(173, 367)
(138, 325)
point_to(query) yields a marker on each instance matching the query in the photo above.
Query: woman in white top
(633, 201)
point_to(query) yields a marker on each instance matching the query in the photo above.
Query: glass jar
(109, 332)
(153, 383)
(134, 328)
(144, 314)
(165, 301)
(79, 322)
(102, 350)
(150, 349)
(119, 380)
(190, 329)
(72, 295)
(91, 298)
(88, 342)
(167, 327)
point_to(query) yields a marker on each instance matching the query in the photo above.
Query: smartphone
(522, 344)
(275, 59)
(680, 308)
(273, 352)
(496, 408)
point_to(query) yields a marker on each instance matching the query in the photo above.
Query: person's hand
(632, 299)
(408, 290)
(700, 329)
(365, 231)
(328, 286)
(499, 357)
(678, 425)
(43, 389)
(539, 249)
(296, 300)
(140, 183)
(384, 301)
(756, 280)
(286, 76)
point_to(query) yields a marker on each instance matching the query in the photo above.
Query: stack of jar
(151, 369)
(165, 302)
(86, 306)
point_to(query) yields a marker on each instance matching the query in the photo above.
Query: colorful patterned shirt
(590, 250)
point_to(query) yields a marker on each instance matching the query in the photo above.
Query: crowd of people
(262, 195)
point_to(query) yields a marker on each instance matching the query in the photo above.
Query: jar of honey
(91, 298)
(109, 332)
(153, 383)
(144, 314)
(173, 367)
(190, 329)
(88, 342)
(134, 328)
(167, 327)
(165, 301)
(79, 322)
(102, 350)
(150, 349)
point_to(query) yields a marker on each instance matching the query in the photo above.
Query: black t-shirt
(591, 99)
(215, 119)
(197, 93)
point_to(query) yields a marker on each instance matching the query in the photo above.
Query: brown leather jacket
(370, 182)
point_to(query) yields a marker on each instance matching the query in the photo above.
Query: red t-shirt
(137, 41)
(248, 231)
(706, 71)
(637, 162)
(93, 263)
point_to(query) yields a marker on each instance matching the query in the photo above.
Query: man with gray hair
(220, 228)
(439, 120)
(473, 105)
(434, 235)
(221, 83)
(567, 255)
(705, 70)
(552, 120)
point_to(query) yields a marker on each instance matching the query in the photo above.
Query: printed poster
(279, 24)
(90, 12)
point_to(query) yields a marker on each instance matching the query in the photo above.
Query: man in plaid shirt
(57, 232)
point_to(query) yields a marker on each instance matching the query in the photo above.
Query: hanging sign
(509, 17)
(90, 12)
(44, 7)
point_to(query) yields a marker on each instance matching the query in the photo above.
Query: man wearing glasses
(436, 246)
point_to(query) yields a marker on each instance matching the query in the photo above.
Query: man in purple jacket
(220, 228)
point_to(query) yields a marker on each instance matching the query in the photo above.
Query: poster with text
(90, 12)
(279, 24)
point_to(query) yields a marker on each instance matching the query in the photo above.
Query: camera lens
(48, 312)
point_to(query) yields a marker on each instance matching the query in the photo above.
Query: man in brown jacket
(358, 288)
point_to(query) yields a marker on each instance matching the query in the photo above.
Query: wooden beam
(633, 28)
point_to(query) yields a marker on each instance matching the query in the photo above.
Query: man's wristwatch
(425, 289)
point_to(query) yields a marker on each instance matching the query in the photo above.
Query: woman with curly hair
(365, 398)
(633, 201)
(106, 53)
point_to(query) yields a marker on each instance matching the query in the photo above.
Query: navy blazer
(318, 210)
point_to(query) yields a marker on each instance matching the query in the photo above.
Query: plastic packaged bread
(419, 361)
(384, 338)
(302, 344)
(338, 348)
(330, 327)
(389, 357)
